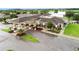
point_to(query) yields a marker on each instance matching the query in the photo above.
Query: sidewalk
(60, 35)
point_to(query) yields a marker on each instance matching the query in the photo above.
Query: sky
(39, 4)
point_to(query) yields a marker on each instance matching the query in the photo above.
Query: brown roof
(26, 15)
(57, 20)
(54, 20)
(22, 19)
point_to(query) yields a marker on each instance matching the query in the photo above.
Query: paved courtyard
(47, 42)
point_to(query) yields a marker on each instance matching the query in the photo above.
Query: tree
(13, 16)
(4, 20)
(6, 13)
(49, 25)
(17, 12)
(56, 11)
(1, 19)
(24, 12)
(69, 14)
(76, 17)
(35, 11)
(44, 11)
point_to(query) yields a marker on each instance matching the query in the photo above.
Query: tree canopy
(69, 14)
(13, 16)
(49, 25)
(56, 11)
(76, 17)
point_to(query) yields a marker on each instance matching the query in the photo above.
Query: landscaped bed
(72, 30)
(28, 37)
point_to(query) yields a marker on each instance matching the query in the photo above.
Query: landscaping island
(28, 37)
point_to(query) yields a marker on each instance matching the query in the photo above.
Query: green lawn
(28, 37)
(6, 30)
(72, 30)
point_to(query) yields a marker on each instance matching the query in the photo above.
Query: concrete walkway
(62, 35)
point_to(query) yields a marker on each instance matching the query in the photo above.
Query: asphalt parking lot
(47, 42)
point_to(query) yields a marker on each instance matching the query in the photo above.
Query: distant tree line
(72, 16)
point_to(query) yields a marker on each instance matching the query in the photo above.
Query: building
(59, 14)
(38, 21)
